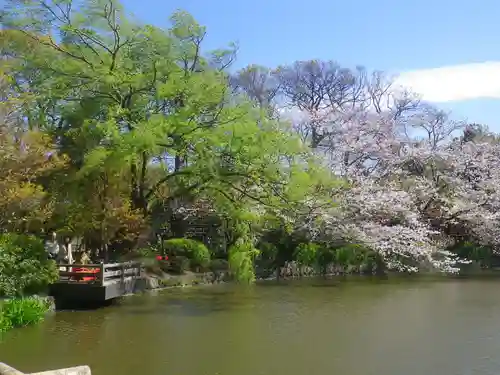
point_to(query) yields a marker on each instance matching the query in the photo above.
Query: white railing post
(102, 269)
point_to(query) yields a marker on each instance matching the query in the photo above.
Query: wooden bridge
(95, 282)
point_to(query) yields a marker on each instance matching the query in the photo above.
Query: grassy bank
(21, 312)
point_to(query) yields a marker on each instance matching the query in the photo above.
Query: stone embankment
(164, 280)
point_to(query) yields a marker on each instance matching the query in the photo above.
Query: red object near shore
(87, 270)
(160, 257)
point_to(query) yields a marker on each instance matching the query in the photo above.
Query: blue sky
(391, 35)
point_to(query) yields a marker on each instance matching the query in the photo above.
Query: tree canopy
(112, 129)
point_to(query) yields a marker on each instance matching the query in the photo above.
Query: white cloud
(452, 83)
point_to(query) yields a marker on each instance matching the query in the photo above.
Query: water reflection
(316, 327)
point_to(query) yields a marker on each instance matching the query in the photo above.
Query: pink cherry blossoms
(409, 197)
(416, 181)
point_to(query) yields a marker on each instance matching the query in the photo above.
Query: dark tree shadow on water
(299, 283)
(187, 307)
(325, 285)
(76, 305)
(179, 310)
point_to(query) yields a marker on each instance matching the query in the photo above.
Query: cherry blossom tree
(408, 174)
(407, 194)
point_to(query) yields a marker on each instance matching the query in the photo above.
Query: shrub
(218, 265)
(307, 253)
(475, 252)
(22, 312)
(164, 266)
(355, 255)
(24, 267)
(195, 251)
(147, 252)
(326, 256)
(352, 254)
(5, 323)
(178, 265)
(152, 267)
(268, 251)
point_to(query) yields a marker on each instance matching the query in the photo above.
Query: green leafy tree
(151, 124)
(119, 93)
(24, 267)
(27, 158)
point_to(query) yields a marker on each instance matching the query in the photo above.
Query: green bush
(177, 264)
(22, 312)
(326, 256)
(24, 267)
(355, 255)
(483, 255)
(195, 251)
(307, 253)
(152, 267)
(268, 251)
(349, 256)
(147, 252)
(5, 323)
(218, 265)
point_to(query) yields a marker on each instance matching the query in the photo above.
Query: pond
(318, 327)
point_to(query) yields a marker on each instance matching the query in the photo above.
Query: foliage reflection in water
(315, 327)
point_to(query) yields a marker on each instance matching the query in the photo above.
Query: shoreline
(154, 282)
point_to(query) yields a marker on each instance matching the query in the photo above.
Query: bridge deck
(95, 282)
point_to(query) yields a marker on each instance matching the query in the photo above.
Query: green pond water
(314, 327)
